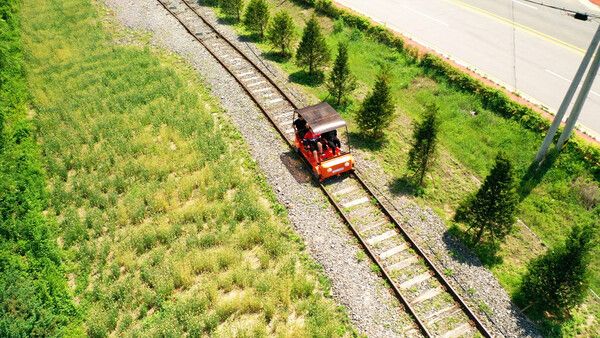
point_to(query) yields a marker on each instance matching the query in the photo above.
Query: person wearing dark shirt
(300, 126)
(331, 140)
(313, 141)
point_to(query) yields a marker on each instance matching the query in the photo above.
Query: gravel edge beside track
(371, 307)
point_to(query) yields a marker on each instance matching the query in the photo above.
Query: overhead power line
(576, 14)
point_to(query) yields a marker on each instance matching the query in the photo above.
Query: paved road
(538, 54)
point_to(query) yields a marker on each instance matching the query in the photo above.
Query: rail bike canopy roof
(321, 117)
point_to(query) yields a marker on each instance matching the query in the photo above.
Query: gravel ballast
(372, 309)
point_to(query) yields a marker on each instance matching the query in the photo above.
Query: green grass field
(35, 298)
(470, 137)
(168, 228)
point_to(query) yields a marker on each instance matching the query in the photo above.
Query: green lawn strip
(34, 297)
(169, 228)
(470, 137)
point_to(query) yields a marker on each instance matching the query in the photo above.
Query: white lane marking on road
(427, 16)
(557, 75)
(524, 4)
(511, 23)
(564, 78)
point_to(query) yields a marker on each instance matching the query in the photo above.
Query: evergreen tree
(282, 32)
(341, 82)
(558, 280)
(377, 110)
(492, 209)
(232, 7)
(421, 155)
(312, 51)
(256, 17)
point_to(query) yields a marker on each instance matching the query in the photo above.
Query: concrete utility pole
(583, 94)
(569, 97)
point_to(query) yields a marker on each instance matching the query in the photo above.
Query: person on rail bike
(331, 140)
(313, 142)
(300, 126)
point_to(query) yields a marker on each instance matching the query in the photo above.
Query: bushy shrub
(282, 32)
(422, 152)
(491, 211)
(377, 109)
(558, 280)
(232, 7)
(312, 51)
(256, 17)
(341, 82)
(326, 7)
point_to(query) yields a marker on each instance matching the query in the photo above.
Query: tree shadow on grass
(276, 57)
(304, 78)
(228, 20)
(535, 173)
(249, 37)
(486, 251)
(346, 108)
(208, 3)
(406, 185)
(549, 324)
(361, 141)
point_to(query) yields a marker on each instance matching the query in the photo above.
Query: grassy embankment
(167, 225)
(471, 135)
(34, 297)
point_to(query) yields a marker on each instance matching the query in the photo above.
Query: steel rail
(242, 84)
(373, 256)
(357, 177)
(418, 249)
(232, 45)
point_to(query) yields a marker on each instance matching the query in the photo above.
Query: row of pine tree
(555, 282)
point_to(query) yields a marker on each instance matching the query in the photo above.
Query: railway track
(437, 310)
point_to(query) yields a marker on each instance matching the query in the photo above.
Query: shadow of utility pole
(535, 173)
